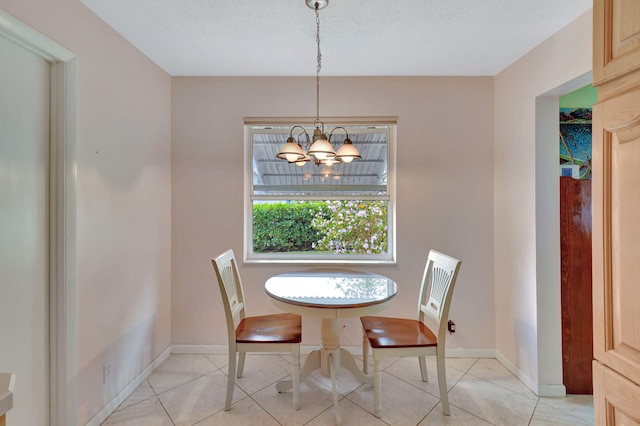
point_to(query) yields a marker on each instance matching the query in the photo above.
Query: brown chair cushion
(283, 328)
(397, 333)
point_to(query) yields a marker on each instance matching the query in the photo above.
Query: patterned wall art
(575, 142)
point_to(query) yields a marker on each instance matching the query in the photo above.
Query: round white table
(330, 295)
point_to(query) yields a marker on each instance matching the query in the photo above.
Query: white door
(24, 228)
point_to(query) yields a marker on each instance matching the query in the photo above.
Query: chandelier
(319, 146)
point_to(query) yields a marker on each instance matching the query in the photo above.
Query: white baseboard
(128, 390)
(306, 349)
(469, 353)
(552, 390)
(222, 349)
(524, 378)
(556, 390)
(199, 349)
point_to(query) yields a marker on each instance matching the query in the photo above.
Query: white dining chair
(267, 333)
(401, 337)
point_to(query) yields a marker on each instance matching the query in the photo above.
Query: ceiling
(358, 38)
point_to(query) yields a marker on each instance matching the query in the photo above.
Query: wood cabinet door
(616, 400)
(616, 39)
(616, 233)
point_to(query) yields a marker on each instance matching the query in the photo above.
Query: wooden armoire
(616, 212)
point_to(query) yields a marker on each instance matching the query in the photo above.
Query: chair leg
(365, 353)
(231, 379)
(377, 386)
(295, 376)
(241, 364)
(423, 368)
(442, 383)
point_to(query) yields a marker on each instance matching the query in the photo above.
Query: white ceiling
(358, 37)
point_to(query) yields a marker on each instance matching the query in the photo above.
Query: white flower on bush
(354, 227)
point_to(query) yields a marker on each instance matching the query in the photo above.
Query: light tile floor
(189, 390)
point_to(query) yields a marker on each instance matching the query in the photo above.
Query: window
(318, 214)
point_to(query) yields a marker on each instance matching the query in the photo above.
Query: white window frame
(320, 259)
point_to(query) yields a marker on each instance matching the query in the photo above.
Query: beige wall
(444, 190)
(123, 199)
(526, 210)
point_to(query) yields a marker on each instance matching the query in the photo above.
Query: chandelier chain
(319, 63)
(320, 148)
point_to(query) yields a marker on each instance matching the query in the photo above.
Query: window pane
(364, 176)
(310, 213)
(321, 227)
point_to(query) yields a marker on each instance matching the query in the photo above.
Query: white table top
(331, 289)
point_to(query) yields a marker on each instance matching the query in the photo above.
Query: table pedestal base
(329, 359)
(341, 358)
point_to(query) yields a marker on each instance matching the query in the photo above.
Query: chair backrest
(438, 281)
(231, 290)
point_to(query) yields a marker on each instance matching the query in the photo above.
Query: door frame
(549, 331)
(62, 215)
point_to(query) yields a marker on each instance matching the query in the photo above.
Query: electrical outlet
(451, 326)
(106, 372)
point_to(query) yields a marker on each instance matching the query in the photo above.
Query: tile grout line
(157, 394)
(166, 412)
(533, 412)
(536, 397)
(265, 410)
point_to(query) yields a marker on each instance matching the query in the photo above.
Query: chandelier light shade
(319, 149)
(303, 161)
(347, 152)
(291, 151)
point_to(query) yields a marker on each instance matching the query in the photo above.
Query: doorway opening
(62, 185)
(575, 239)
(548, 253)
